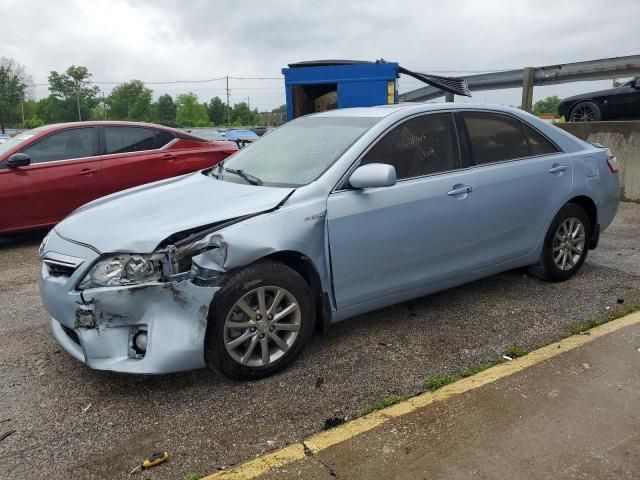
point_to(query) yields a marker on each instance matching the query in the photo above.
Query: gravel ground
(207, 422)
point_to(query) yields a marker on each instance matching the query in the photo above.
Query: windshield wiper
(244, 175)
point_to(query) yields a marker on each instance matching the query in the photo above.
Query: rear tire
(585, 112)
(259, 321)
(565, 245)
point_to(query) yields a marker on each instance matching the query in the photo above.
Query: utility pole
(22, 107)
(249, 103)
(228, 106)
(104, 108)
(78, 101)
(527, 88)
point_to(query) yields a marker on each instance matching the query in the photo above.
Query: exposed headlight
(122, 269)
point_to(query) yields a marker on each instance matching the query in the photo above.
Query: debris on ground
(586, 366)
(271, 443)
(332, 422)
(86, 409)
(152, 461)
(507, 357)
(620, 301)
(6, 434)
(319, 381)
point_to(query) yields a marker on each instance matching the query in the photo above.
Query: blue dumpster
(322, 85)
(317, 86)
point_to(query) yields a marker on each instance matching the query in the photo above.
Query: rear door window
(64, 145)
(538, 143)
(420, 146)
(495, 137)
(128, 139)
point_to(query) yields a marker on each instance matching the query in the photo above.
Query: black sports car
(621, 103)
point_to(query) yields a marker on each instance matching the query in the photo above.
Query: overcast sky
(166, 40)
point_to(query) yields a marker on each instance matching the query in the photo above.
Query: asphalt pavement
(72, 422)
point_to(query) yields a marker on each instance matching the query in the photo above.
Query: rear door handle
(460, 190)
(87, 171)
(168, 156)
(557, 168)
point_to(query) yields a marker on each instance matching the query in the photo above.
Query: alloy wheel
(583, 113)
(568, 243)
(262, 326)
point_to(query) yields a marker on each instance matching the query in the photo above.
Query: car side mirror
(636, 83)
(18, 160)
(373, 175)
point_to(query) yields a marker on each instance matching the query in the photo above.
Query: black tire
(585, 112)
(236, 286)
(546, 268)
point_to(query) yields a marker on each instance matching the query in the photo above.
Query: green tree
(190, 113)
(241, 114)
(217, 111)
(73, 89)
(547, 105)
(130, 101)
(164, 110)
(13, 86)
(281, 109)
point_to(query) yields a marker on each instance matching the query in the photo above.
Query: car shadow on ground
(22, 239)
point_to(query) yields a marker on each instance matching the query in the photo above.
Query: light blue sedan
(330, 216)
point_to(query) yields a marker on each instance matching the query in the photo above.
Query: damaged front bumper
(98, 326)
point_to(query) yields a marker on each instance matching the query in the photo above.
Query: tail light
(612, 162)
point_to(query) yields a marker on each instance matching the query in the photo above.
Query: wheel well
(589, 207)
(305, 267)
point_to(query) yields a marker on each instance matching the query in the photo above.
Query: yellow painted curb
(324, 440)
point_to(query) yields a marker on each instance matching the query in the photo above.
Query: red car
(48, 172)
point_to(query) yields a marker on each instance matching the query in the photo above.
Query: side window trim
(341, 186)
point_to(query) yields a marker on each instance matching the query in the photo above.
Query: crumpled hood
(138, 219)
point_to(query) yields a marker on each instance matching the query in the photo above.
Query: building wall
(623, 138)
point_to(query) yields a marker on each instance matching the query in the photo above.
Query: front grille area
(71, 334)
(57, 269)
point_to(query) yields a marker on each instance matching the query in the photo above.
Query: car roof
(114, 123)
(410, 107)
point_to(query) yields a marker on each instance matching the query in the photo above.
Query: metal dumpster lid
(327, 63)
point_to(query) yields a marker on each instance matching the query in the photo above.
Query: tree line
(72, 97)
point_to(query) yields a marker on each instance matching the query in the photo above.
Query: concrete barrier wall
(623, 138)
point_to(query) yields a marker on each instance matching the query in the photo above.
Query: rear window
(538, 143)
(495, 137)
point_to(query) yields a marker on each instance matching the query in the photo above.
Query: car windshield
(298, 152)
(17, 140)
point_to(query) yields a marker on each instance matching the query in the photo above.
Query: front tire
(565, 245)
(259, 321)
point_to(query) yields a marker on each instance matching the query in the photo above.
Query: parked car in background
(48, 172)
(241, 137)
(209, 134)
(327, 217)
(4, 137)
(621, 103)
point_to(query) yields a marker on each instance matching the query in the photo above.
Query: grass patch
(438, 381)
(591, 322)
(514, 351)
(192, 476)
(480, 367)
(380, 404)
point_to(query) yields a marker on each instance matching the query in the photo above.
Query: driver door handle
(87, 171)
(557, 168)
(461, 190)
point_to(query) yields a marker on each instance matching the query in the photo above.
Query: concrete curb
(346, 431)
